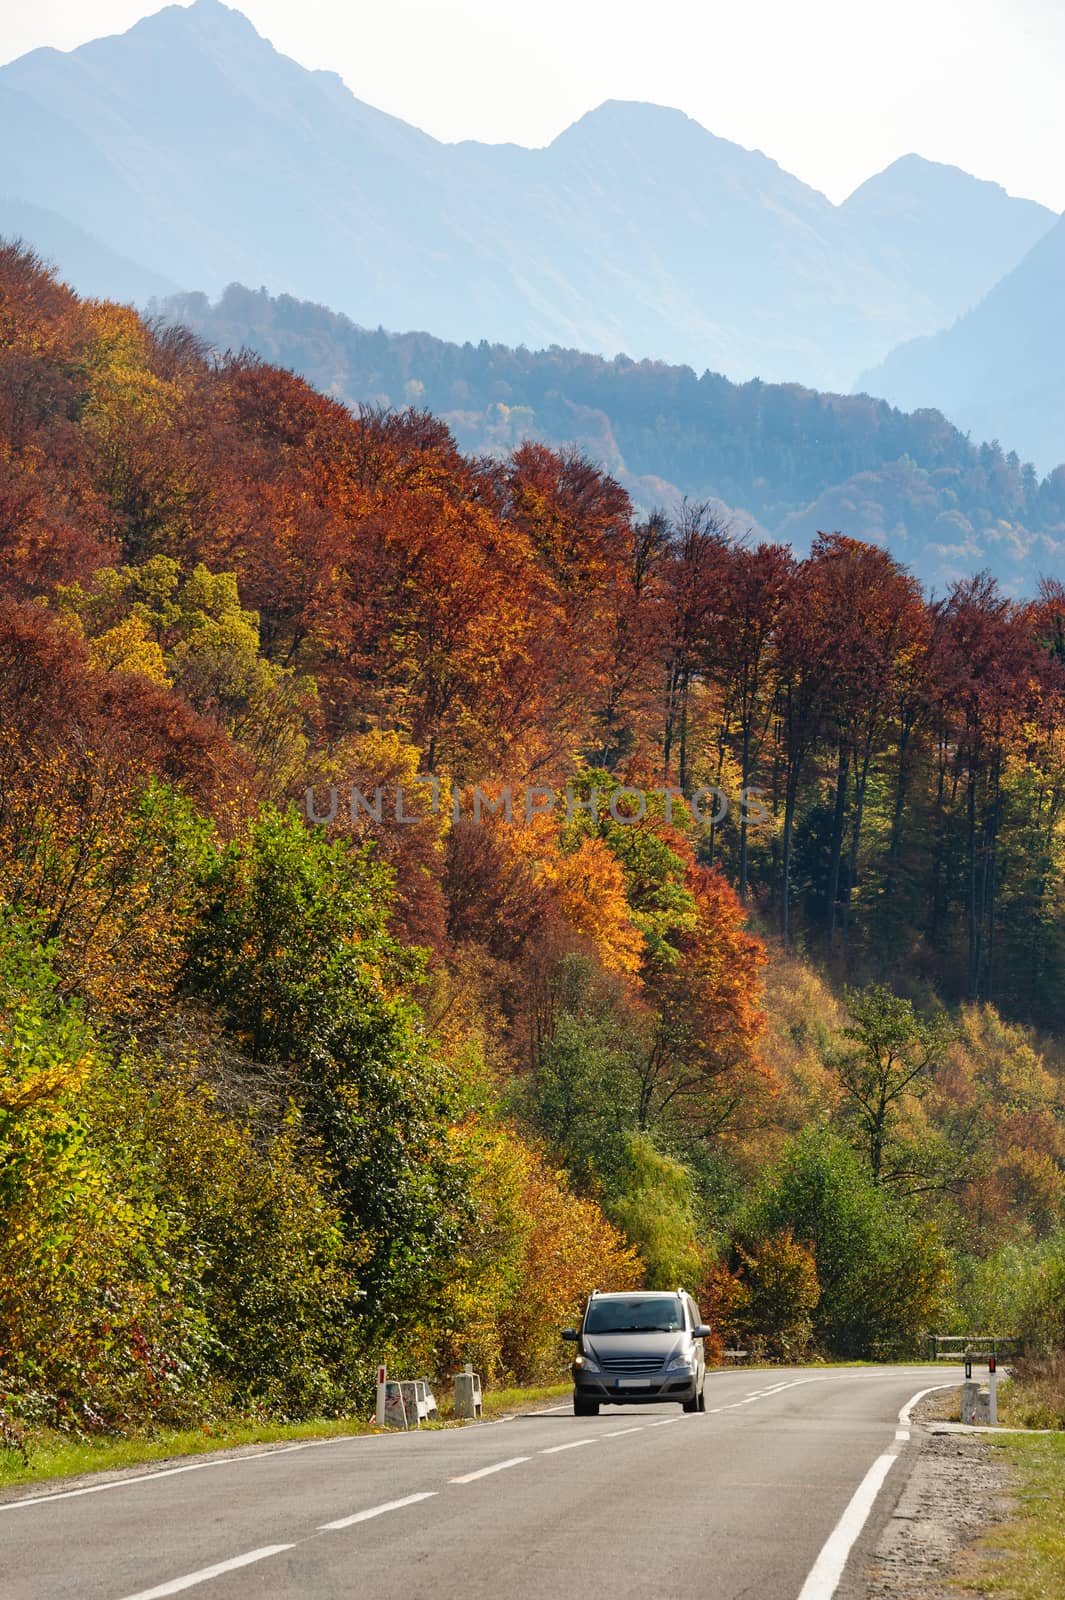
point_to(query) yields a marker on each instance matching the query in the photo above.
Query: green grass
(1029, 1552)
(62, 1455)
(500, 1401)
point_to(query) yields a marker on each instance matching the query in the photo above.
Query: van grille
(637, 1366)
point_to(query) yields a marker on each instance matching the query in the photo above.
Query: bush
(883, 1274)
(100, 1324)
(782, 1291)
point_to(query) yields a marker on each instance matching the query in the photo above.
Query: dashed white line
(572, 1445)
(484, 1472)
(619, 1433)
(191, 1579)
(902, 1435)
(375, 1511)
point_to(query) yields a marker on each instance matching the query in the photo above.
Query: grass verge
(62, 1455)
(1028, 1553)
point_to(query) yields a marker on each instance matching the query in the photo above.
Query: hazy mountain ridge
(998, 370)
(199, 151)
(787, 460)
(99, 271)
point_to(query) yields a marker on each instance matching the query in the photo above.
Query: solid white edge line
(117, 1483)
(222, 1459)
(483, 1472)
(905, 1417)
(572, 1445)
(375, 1511)
(177, 1585)
(827, 1570)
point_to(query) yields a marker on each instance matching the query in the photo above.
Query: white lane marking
(221, 1460)
(902, 1435)
(572, 1445)
(827, 1570)
(665, 1422)
(619, 1433)
(905, 1417)
(483, 1472)
(206, 1573)
(375, 1511)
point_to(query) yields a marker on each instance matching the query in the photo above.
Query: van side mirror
(570, 1335)
(702, 1331)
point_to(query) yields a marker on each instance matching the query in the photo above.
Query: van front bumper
(608, 1389)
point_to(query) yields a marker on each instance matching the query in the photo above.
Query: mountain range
(999, 370)
(195, 153)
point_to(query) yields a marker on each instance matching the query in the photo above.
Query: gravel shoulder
(958, 1489)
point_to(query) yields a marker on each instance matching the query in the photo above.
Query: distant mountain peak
(916, 177)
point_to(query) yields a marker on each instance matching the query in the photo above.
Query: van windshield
(640, 1314)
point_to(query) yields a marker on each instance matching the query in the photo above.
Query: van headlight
(680, 1363)
(586, 1363)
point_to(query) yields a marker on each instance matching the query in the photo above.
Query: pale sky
(832, 89)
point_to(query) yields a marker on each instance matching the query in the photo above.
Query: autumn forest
(280, 1098)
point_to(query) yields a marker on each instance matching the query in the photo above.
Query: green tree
(295, 952)
(883, 1273)
(894, 1057)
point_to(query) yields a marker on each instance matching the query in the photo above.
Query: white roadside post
(992, 1390)
(390, 1411)
(467, 1394)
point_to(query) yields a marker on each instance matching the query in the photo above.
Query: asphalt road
(639, 1502)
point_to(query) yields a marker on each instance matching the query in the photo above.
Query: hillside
(997, 371)
(432, 890)
(785, 459)
(636, 230)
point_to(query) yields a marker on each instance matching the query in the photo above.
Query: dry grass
(1034, 1395)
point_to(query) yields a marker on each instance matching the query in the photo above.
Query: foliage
(780, 1295)
(654, 1204)
(282, 1096)
(882, 1273)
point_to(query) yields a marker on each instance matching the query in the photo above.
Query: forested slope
(785, 459)
(278, 1099)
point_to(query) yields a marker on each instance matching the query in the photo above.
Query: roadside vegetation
(281, 1099)
(1028, 1552)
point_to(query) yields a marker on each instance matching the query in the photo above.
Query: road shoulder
(957, 1490)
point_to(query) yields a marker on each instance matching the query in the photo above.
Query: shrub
(883, 1274)
(782, 1291)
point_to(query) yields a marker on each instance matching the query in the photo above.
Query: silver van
(638, 1349)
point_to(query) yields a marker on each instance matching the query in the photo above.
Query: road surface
(777, 1492)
